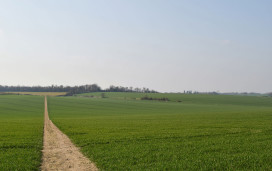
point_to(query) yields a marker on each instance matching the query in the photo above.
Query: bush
(159, 99)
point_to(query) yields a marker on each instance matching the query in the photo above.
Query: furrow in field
(59, 153)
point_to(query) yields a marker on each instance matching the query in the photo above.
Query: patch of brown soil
(59, 153)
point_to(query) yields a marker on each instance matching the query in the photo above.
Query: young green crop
(188, 98)
(21, 132)
(204, 132)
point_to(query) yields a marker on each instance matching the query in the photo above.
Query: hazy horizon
(168, 46)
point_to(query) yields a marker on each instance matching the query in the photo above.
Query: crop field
(188, 132)
(187, 98)
(38, 93)
(21, 132)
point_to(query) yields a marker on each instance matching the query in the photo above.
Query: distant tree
(72, 90)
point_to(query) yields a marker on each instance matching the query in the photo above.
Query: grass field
(21, 132)
(203, 132)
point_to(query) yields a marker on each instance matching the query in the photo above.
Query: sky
(165, 45)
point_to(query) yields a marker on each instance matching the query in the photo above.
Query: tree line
(129, 89)
(71, 90)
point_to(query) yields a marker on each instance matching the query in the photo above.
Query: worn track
(59, 153)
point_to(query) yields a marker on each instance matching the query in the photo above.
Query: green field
(203, 132)
(123, 132)
(21, 132)
(187, 98)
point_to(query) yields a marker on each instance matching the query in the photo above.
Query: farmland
(38, 93)
(21, 131)
(187, 98)
(200, 132)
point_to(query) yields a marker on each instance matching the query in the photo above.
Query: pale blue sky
(166, 45)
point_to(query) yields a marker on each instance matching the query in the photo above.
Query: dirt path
(59, 153)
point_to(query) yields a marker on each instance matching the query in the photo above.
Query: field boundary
(59, 153)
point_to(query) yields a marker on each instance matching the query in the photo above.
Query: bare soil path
(59, 153)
